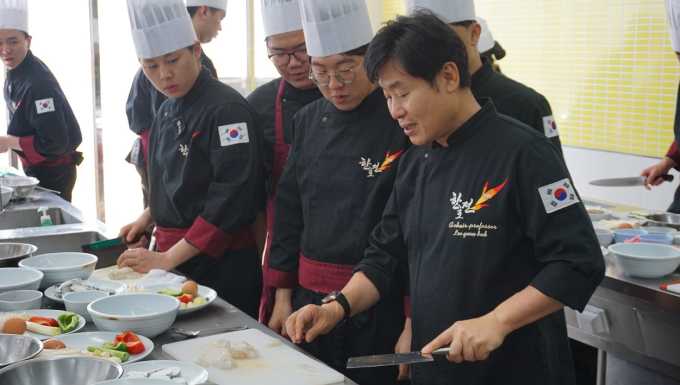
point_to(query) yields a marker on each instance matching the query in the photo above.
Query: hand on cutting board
(143, 260)
(653, 172)
(283, 307)
(139, 226)
(312, 321)
(471, 340)
(404, 346)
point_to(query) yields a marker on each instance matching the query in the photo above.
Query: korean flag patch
(233, 134)
(550, 127)
(558, 195)
(45, 105)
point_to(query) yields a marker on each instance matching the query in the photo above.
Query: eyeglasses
(282, 59)
(344, 76)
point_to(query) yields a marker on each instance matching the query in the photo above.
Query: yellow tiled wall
(606, 66)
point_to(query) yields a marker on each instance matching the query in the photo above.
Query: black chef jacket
(263, 100)
(475, 223)
(40, 115)
(205, 168)
(207, 63)
(516, 100)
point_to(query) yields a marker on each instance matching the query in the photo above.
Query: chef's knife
(109, 250)
(636, 181)
(393, 359)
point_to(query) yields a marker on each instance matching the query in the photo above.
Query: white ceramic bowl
(20, 300)
(645, 260)
(597, 217)
(621, 235)
(661, 239)
(604, 236)
(17, 278)
(77, 302)
(6, 194)
(146, 314)
(60, 267)
(659, 230)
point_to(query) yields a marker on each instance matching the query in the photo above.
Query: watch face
(330, 297)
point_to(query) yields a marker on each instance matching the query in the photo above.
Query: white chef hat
(452, 11)
(673, 11)
(335, 26)
(219, 4)
(486, 41)
(14, 15)
(280, 16)
(160, 27)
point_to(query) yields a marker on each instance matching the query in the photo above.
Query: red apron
(281, 150)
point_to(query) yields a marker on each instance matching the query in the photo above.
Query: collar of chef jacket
(24, 66)
(306, 96)
(185, 102)
(484, 72)
(470, 127)
(334, 117)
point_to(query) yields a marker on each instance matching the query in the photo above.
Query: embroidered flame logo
(487, 194)
(389, 159)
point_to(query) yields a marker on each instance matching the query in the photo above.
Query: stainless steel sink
(57, 243)
(20, 219)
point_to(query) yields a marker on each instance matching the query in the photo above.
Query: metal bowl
(23, 186)
(665, 220)
(12, 253)
(68, 370)
(15, 348)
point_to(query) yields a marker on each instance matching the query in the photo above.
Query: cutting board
(275, 365)
(104, 274)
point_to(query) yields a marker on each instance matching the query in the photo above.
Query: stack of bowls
(16, 278)
(145, 314)
(60, 267)
(645, 260)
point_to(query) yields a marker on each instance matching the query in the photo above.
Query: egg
(190, 287)
(625, 226)
(15, 326)
(54, 344)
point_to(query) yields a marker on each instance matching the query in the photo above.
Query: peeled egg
(54, 344)
(15, 326)
(190, 287)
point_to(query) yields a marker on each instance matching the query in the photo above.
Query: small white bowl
(17, 278)
(659, 230)
(604, 236)
(60, 267)
(606, 214)
(20, 300)
(77, 301)
(645, 260)
(146, 314)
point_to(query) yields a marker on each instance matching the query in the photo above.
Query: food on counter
(100, 351)
(121, 347)
(53, 344)
(222, 361)
(614, 224)
(306, 369)
(134, 288)
(75, 285)
(68, 322)
(131, 341)
(625, 226)
(44, 321)
(237, 350)
(172, 373)
(190, 287)
(203, 361)
(187, 300)
(124, 273)
(15, 325)
(66, 351)
(6, 316)
(272, 343)
(42, 329)
(170, 292)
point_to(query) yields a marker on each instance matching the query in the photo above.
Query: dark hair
(361, 51)
(464, 23)
(421, 43)
(25, 35)
(194, 10)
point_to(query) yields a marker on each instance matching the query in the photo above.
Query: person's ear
(475, 33)
(30, 38)
(449, 77)
(204, 12)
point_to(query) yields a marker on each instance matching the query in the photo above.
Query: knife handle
(666, 177)
(138, 237)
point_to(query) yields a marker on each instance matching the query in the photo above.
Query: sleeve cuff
(561, 282)
(673, 152)
(208, 238)
(26, 143)
(407, 306)
(282, 280)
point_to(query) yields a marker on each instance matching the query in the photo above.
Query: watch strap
(340, 298)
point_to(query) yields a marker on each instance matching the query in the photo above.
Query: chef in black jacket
(144, 99)
(205, 164)
(487, 47)
(334, 187)
(510, 97)
(483, 220)
(277, 102)
(42, 128)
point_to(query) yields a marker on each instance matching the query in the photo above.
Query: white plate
(119, 287)
(83, 340)
(50, 314)
(193, 373)
(203, 291)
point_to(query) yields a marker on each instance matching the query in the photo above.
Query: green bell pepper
(121, 347)
(68, 322)
(171, 292)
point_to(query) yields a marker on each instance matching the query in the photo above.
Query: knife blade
(635, 181)
(393, 359)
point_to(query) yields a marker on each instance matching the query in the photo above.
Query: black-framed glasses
(282, 59)
(344, 76)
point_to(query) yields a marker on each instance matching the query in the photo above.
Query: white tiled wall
(587, 164)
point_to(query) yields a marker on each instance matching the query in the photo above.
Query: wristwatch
(339, 298)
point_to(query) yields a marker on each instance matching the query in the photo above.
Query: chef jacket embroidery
(459, 205)
(374, 168)
(550, 127)
(45, 105)
(558, 195)
(184, 149)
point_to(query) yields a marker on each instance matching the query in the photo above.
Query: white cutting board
(273, 366)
